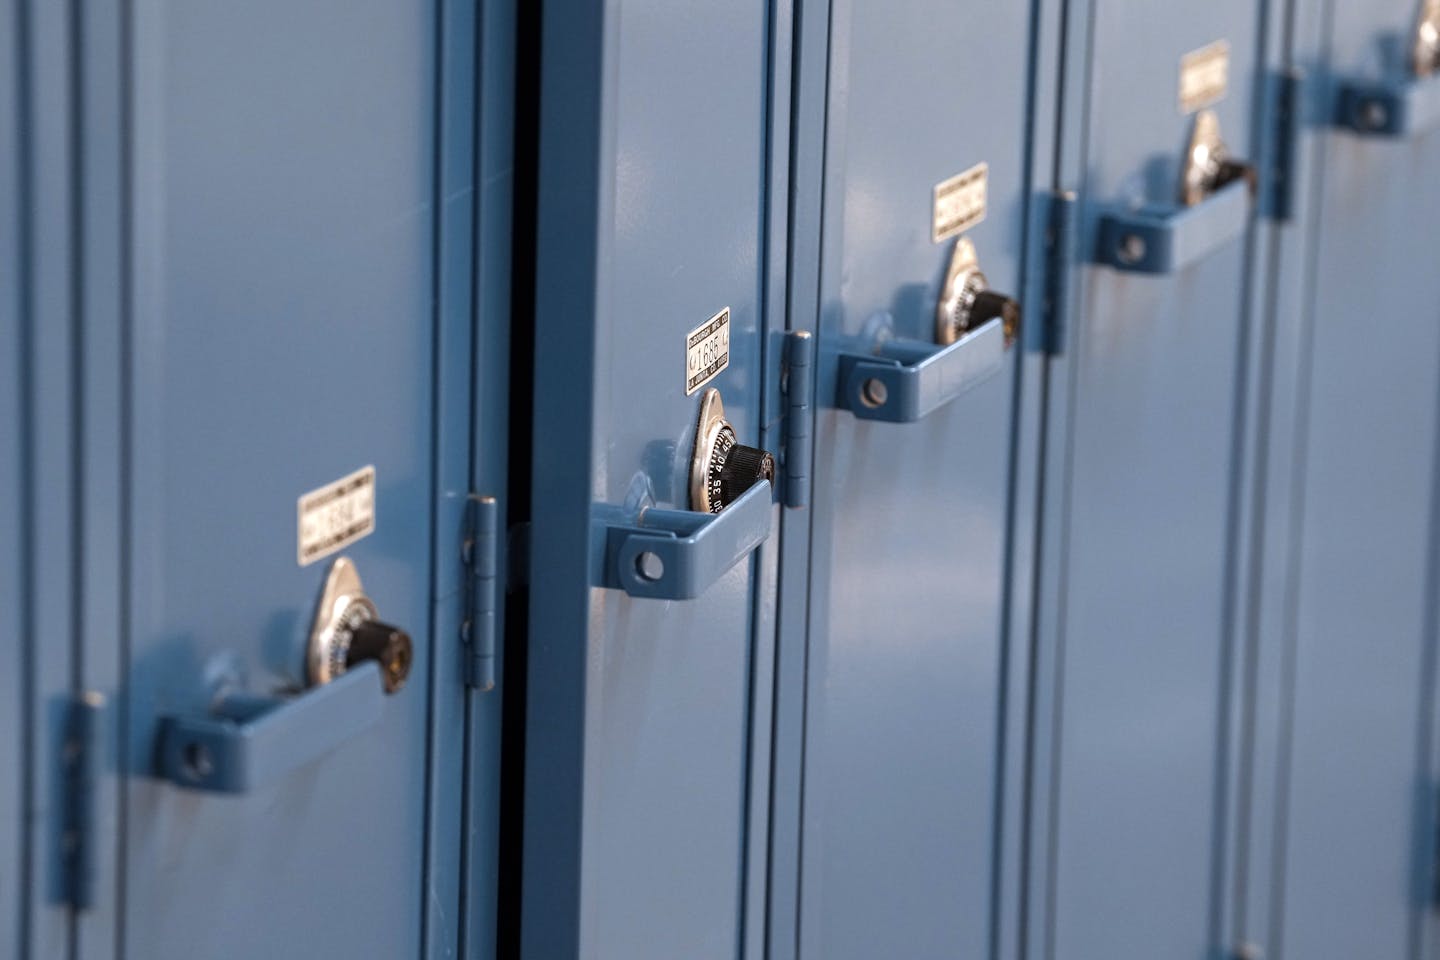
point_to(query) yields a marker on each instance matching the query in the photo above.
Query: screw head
(1131, 248)
(874, 393)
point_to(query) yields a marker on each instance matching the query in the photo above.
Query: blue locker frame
(60, 468)
(68, 323)
(14, 686)
(1116, 328)
(1017, 459)
(1339, 810)
(590, 885)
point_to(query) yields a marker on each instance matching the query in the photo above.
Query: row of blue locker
(1032, 556)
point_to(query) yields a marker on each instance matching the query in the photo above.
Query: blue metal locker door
(1356, 823)
(925, 159)
(13, 876)
(639, 727)
(283, 337)
(1139, 464)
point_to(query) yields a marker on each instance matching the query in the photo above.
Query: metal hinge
(1435, 849)
(480, 552)
(81, 770)
(1277, 180)
(1060, 232)
(798, 385)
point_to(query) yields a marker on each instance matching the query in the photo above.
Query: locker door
(282, 365)
(12, 501)
(646, 612)
(924, 228)
(1139, 460)
(1354, 822)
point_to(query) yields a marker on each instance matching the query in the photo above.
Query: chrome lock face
(1208, 166)
(348, 631)
(967, 302)
(1426, 54)
(722, 468)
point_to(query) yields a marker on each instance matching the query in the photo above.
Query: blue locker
(1132, 765)
(281, 246)
(13, 712)
(650, 619)
(1343, 531)
(41, 480)
(922, 374)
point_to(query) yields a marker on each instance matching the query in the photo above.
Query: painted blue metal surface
(477, 215)
(1345, 607)
(14, 647)
(652, 218)
(246, 743)
(1132, 685)
(678, 554)
(1171, 238)
(282, 232)
(907, 380)
(903, 682)
(1389, 108)
(50, 407)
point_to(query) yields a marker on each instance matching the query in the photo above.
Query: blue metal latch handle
(1388, 108)
(677, 554)
(909, 379)
(248, 742)
(1169, 239)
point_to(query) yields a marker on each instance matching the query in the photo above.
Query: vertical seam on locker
(25, 123)
(1003, 733)
(1028, 868)
(75, 277)
(822, 167)
(127, 325)
(437, 75)
(1425, 793)
(472, 433)
(75, 189)
(1091, 15)
(1290, 628)
(762, 261)
(1248, 614)
(1229, 755)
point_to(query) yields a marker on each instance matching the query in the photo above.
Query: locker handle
(1388, 108)
(678, 554)
(909, 379)
(1158, 240)
(248, 742)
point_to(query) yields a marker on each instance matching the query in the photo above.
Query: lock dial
(722, 468)
(1208, 165)
(967, 302)
(1426, 55)
(348, 631)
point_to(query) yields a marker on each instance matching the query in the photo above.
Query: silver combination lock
(722, 468)
(967, 302)
(348, 631)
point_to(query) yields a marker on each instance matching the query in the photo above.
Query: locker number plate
(707, 351)
(336, 515)
(960, 202)
(1204, 75)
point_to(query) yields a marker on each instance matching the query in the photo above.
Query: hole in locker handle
(196, 757)
(650, 567)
